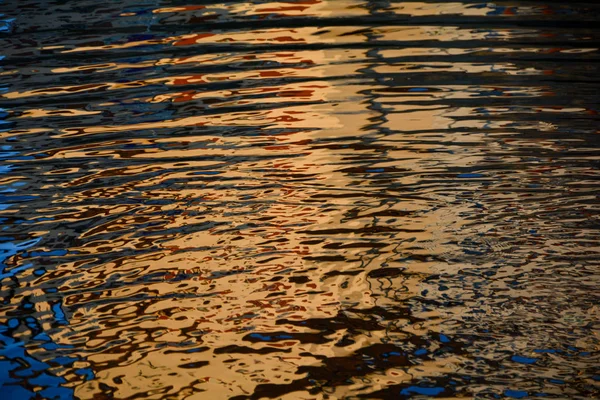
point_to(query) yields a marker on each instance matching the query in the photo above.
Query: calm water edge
(303, 199)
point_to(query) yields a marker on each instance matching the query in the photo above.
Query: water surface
(311, 199)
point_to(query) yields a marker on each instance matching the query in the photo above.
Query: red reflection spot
(548, 11)
(286, 118)
(271, 73)
(293, 93)
(192, 40)
(188, 80)
(287, 39)
(184, 96)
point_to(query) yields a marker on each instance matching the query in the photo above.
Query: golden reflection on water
(338, 217)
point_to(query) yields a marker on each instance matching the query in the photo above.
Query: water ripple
(299, 199)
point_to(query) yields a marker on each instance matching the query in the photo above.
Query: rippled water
(311, 199)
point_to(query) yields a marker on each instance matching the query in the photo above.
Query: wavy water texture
(310, 199)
